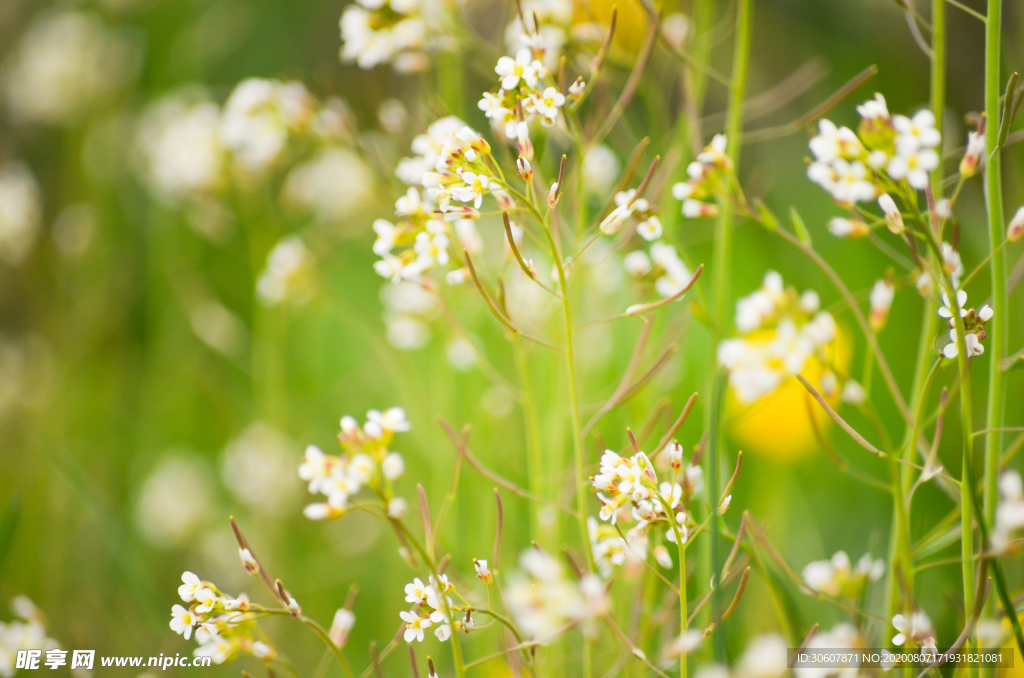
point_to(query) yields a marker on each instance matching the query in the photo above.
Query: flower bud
(893, 218)
(848, 228)
(458, 276)
(975, 151)
(344, 620)
(553, 194)
(661, 555)
(576, 88)
(693, 209)
(525, 171)
(881, 301)
(524, 145)
(263, 652)
(482, 571)
(675, 455)
(1016, 229)
(248, 561)
(397, 508)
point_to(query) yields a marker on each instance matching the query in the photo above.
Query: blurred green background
(145, 394)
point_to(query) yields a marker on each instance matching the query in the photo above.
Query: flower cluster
(838, 578)
(974, 325)
(224, 627)
(453, 163)
(628, 487)
(524, 94)
(708, 174)
(187, 143)
(663, 266)
(1010, 511)
(857, 166)
(26, 632)
(430, 609)
(781, 332)
(366, 461)
(398, 32)
(542, 600)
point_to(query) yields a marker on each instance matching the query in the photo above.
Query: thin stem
(577, 427)
(996, 329)
(721, 266)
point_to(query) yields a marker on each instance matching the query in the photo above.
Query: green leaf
(767, 218)
(800, 227)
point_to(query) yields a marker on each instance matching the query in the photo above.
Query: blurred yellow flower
(630, 26)
(782, 424)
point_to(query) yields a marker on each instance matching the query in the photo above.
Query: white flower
(416, 591)
(637, 263)
(187, 591)
(182, 621)
(393, 420)
(182, 149)
(850, 184)
(393, 466)
(476, 185)
(315, 468)
(834, 142)
(64, 65)
(853, 393)
(917, 628)
(714, 153)
(20, 212)
(286, 276)
(600, 169)
(971, 341)
(913, 163)
(917, 132)
(414, 625)
(874, 108)
(259, 117)
(650, 228)
(946, 310)
(335, 185)
(523, 67)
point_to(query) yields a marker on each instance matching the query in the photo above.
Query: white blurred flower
(65, 65)
(258, 118)
(335, 185)
(1009, 511)
(601, 168)
(175, 501)
(288, 274)
(181, 149)
(758, 364)
(257, 468)
(20, 212)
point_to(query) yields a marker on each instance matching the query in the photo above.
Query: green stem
(534, 460)
(938, 84)
(996, 329)
(967, 488)
(722, 257)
